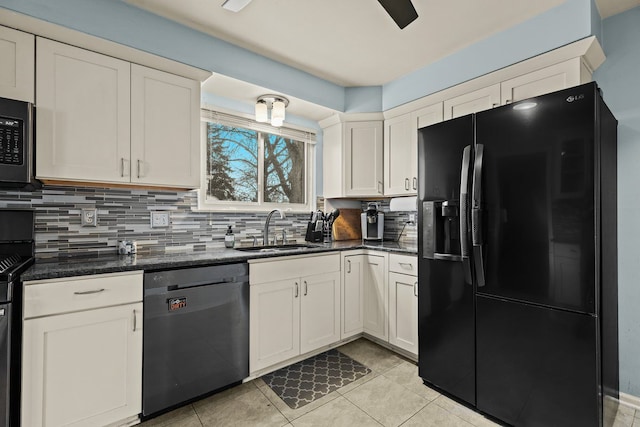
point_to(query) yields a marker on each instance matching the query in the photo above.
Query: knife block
(312, 235)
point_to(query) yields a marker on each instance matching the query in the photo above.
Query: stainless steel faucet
(265, 236)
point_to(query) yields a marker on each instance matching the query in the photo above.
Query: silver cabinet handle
(406, 184)
(135, 320)
(95, 291)
(415, 183)
(380, 187)
(507, 101)
(415, 288)
(139, 168)
(348, 266)
(403, 264)
(297, 291)
(122, 167)
(306, 288)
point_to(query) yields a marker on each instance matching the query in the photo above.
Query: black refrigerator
(517, 252)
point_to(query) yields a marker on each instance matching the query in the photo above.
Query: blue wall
(117, 21)
(619, 78)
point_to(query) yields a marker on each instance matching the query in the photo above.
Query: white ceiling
(350, 42)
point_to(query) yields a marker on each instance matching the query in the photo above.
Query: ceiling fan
(401, 11)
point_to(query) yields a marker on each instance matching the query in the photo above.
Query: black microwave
(16, 143)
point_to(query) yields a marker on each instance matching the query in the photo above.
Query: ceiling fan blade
(402, 11)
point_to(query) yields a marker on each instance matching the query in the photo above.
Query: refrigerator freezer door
(446, 325)
(536, 366)
(538, 200)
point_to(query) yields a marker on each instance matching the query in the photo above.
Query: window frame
(247, 122)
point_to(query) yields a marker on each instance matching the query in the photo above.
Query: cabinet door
(353, 295)
(83, 114)
(472, 102)
(557, 77)
(426, 116)
(319, 311)
(400, 159)
(84, 368)
(17, 68)
(165, 131)
(363, 159)
(376, 300)
(403, 311)
(274, 323)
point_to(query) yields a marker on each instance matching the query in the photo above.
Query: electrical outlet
(159, 219)
(89, 217)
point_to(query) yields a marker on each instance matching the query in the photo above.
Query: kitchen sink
(276, 248)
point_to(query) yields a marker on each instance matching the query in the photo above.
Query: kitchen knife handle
(415, 183)
(296, 295)
(464, 225)
(306, 288)
(406, 184)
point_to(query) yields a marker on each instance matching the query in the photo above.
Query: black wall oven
(16, 143)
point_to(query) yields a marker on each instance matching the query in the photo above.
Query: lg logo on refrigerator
(575, 98)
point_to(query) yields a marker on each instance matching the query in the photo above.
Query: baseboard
(630, 400)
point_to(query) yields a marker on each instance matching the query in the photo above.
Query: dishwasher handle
(209, 282)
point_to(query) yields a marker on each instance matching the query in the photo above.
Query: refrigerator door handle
(464, 226)
(476, 216)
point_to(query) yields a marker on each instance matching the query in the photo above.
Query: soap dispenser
(229, 238)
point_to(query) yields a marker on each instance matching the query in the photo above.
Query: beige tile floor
(391, 395)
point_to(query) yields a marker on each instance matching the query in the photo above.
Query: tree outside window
(254, 167)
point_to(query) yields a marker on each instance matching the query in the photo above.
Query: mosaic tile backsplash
(124, 214)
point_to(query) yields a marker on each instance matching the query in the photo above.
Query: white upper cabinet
(400, 156)
(105, 120)
(557, 77)
(83, 114)
(363, 159)
(165, 131)
(17, 66)
(352, 159)
(472, 102)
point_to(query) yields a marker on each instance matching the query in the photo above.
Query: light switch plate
(159, 219)
(89, 217)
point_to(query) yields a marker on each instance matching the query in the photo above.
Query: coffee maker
(372, 221)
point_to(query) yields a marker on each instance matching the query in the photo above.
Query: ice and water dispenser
(441, 230)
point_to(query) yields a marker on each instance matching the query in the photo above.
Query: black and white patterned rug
(310, 379)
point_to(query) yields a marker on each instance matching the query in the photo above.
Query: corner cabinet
(17, 68)
(294, 307)
(82, 351)
(104, 120)
(352, 158)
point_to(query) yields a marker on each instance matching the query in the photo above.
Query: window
(252, 166)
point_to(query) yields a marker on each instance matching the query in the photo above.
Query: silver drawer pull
(95, 291)
(408, 264)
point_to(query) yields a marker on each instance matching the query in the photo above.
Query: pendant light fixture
(274, 103)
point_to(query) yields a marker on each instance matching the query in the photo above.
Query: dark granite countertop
(67, 267)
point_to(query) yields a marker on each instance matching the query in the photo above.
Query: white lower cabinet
(403, 302)
(294, 307)
(376, 302)
(364, 295)
(82, 355)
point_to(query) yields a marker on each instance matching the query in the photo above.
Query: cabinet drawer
(405, 264)
(48, 297)
(289, 268)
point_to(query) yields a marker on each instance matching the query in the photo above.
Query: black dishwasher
(196, 333)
